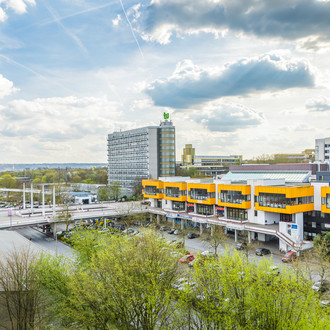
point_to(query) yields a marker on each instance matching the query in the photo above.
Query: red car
(187, 258)
(289, 256)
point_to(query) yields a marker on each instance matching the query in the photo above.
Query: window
(204, 209)
(190, 207)
(255, 213)
(172, 192)
(236, 214)
(285, 217)
(178, 206)
(231, 196)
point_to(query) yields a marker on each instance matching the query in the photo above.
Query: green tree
(104, 194)
(232, 294)
(115, 190)
(124, 284)
(8, 181)
(322, 244)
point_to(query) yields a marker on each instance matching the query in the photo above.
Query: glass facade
(285, 217)
(128, 157)
(174, 192)
(200, 194)
(231, 196)
(190, 207)
(315, 222)
(179, 206)
(326, 201)
(167, 150)
(236, 214)
(204, 209)
(280, 200)
(151, 190)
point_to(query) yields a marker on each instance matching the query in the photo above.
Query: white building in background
(147, 152)
(322, 150)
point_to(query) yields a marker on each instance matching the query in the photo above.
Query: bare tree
(217, 238)
(21, 299)
(65, 216)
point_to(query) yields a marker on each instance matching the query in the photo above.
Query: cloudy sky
(243, 77)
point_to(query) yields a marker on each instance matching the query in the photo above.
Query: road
(48, 244)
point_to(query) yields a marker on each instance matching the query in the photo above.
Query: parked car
(192, 235)
(164, 228)
(177, 232)
(187, 258)
(273, 270)
(325, 303)
(129, 231)
(262, 251)
(240, 246)
(207, 254)
(320, 286)
(289, 256)
(171, 231)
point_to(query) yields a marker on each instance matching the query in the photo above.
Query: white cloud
(320, 103)
(55, 119)
(190, 84)
(6, 87)
(227, 117)
(18, 6)
(290, 20)
(116, 21)
(47, 129)
(3, 15)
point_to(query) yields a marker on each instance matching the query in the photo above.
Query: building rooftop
(288, 176)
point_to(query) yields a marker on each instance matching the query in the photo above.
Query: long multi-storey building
(147, 152)
(268, 206)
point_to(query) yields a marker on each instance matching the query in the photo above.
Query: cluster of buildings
(289, 203)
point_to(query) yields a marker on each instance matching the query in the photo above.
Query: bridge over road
(17, 218)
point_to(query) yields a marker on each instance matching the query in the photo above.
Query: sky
(238, 77)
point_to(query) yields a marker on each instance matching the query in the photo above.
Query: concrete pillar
(105, 222)
(182, 224)
(54, 203)
(158, 219)
(24, 206)
(249, 236)
(200, 228)
(212, 230)
(235, 235)
(53, 226)
(43, 200)
(173, 222)
(150, 217)
(31, 199)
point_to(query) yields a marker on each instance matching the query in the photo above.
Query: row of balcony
(287, 200)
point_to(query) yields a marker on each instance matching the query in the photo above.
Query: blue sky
(237, 76)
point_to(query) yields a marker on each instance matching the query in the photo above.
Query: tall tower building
(147, 152)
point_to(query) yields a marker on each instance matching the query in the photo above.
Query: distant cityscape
(35, 166)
